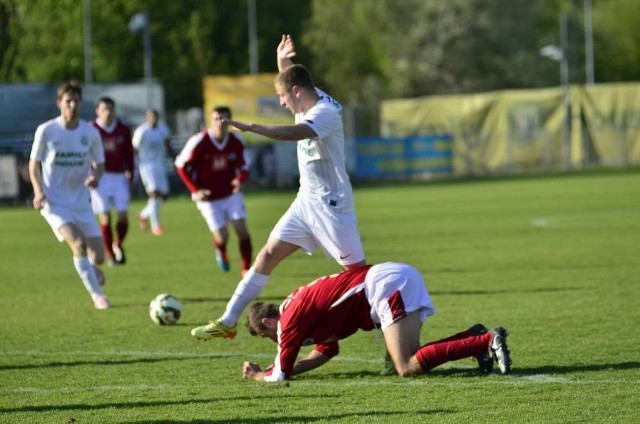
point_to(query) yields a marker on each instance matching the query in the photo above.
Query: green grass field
(556, 260)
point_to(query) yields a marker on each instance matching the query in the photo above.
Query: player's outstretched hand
(286, 48)
(240, 126)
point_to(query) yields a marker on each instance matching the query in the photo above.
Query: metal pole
(253, 36)
(564, 78)
(148, 76)
(86, 20)
(588, 41)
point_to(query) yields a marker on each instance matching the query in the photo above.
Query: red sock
(437, 353)
(245, 253)
(122, 228)
(108, 239)
(222, 248)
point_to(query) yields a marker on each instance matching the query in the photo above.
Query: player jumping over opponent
(323, 212)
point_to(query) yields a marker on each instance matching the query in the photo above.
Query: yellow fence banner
(525, 130)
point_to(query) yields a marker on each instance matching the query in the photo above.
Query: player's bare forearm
(35, 175)
(313, 360)
(277, 132)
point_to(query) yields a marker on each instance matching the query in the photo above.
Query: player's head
(292, 86)
(295, 76)
(69, 87)
(105, 109)
(262, 320)
(69, 98)
(219, 124)
(152, 117)
(223, 111)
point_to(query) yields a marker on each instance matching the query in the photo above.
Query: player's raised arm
(285, 51)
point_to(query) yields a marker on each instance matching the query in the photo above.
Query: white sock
(154, 212)
(87, 275)
(247, 291)
(144, 213)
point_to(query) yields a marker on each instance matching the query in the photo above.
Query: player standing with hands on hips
(66, 160)
(114, 191)
(323, 212)
(213, 165)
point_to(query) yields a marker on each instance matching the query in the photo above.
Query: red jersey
(118, 150)
(206, 163)
(327, 310)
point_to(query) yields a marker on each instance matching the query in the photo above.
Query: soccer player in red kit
(213, 165)
(391, 296)
(114, 190)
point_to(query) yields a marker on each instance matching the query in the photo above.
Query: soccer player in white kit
(151, 140)
(66, 159)
(323, 213)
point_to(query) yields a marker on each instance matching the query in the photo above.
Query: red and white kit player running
(66, 158)
(152, 140)
(114, 191)
(323, 213)
(390, 296)
(213, 165)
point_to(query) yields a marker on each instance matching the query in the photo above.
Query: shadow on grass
(567, 369)
(473, 372)
(150, 404)
(301, 419)
(278, 299)
(55, 364)
(184, 300)
(493, 292)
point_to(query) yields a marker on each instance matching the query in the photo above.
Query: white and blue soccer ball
(165, 309)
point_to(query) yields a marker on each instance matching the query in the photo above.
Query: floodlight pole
(564, 79)
(86, 27)
(253, 36)
(140, 21)
(588, 41)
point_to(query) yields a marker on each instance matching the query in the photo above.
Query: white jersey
(321, 160)
(66, 156)
(149, 142)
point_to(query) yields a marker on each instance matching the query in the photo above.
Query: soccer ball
(165, 309)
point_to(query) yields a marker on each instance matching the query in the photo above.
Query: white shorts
(112, 193)
(57, 216)
(311, 224)
(394, 290)
(218, 213)
(154, 177)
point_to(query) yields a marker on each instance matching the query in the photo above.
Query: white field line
(510, 380)
(513, 379)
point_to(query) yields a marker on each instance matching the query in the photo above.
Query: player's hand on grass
(251, 370)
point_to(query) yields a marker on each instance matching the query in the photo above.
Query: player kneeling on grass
(391, 296)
